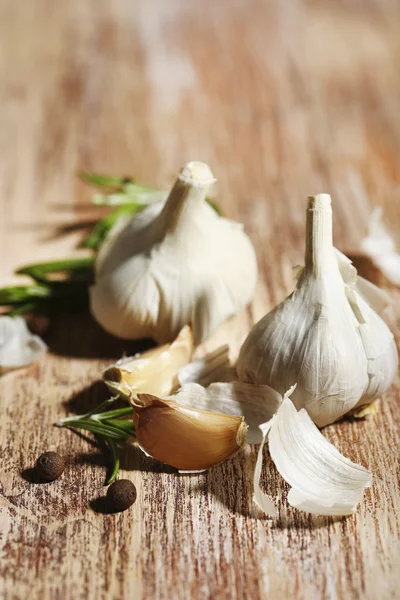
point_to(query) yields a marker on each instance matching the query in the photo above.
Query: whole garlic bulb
(176, 263)
(325, 336)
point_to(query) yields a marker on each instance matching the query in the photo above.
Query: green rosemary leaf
(214, 206)
(20, 294)
(122, 425)
(103, 181)
(106, 425)
(98, 429)
(69, 266)
(115, 460)
(112, 414)
(23, 309)
(102, 228)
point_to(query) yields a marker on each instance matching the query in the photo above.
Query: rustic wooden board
(282, 99)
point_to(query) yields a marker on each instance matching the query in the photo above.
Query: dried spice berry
(49, 466)
(121, 494)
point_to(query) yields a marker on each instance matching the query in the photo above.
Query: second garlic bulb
(175, 263)
(324, 337)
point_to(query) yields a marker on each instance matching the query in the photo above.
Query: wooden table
(282, 99)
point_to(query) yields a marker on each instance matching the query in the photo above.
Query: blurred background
(282, 99)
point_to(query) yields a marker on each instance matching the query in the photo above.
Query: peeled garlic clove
(185, 438)
(324, 336)
(18, 346)
(175, 263)
(154, 371)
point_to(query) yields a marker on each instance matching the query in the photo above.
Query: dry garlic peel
(185, 438)
(175, 263)
(322, 480)
(381, 247)
(324, 336)
(256, 403)
(215, 366)
(154, 371)
(18, 346)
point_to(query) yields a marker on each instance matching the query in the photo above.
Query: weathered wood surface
(283, 99)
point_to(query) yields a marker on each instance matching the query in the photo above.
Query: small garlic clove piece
(18, 346)
(175, 263)
(185, 438)
(154, 371)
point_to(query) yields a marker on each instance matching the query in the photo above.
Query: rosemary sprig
(111, 425)
(124, 193)
(102, 228)
(62, 285)
(57, 286)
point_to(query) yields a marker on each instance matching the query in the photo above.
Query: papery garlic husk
(256, 403)
(154, 371)
(324, 336)
(214, 366)
(322, 480)
(185, 438)
(18, 346)
(380, 246)
(175, 263)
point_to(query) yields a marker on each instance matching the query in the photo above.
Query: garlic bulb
(325, 336)
(175, 263)
(186, 438)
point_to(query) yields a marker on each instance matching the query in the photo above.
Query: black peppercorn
(49, 466)
(121, 494)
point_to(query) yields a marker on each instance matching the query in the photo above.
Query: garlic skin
(324, 336)
(18, 346)
(185, 438)
(322, 480)
(175, 263)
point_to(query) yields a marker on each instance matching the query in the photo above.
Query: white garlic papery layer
(325, 336)
(380, 246)
(323, 481)
(176, 263)
(18, 346)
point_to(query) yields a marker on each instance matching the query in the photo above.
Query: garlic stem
(190, 189)
(319, 245)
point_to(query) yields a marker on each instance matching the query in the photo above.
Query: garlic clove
(175, 263)
(185, 438)
(18, 346)
(322, 480)
(154, 371)
(256, 403)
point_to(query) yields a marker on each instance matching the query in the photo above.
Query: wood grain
(283, 100)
